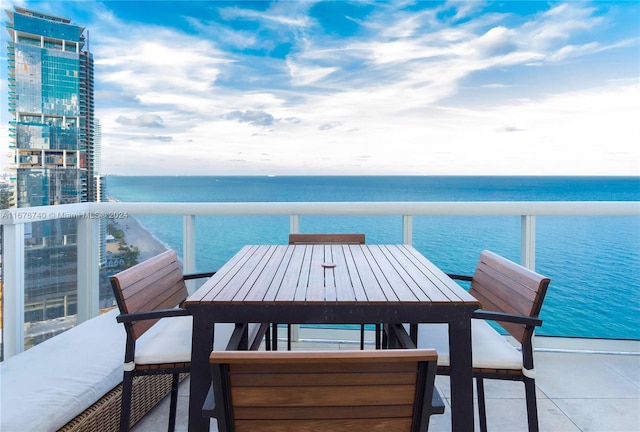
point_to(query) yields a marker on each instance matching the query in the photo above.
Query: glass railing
(56, 260)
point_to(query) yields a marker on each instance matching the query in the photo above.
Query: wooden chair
(511, 295)
(349, 238)
(149, 296)
(293, 391)
(326, 238)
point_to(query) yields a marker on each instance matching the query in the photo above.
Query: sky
(361, 87)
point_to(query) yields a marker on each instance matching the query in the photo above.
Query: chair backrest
(504, 286)
(326, 238)
(358, 391)
(156, 283)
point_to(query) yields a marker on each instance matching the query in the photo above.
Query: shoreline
(135, 234)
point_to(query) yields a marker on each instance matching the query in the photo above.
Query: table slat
(450, 289)
(315, 290)
(397, 280)
(258, 284)
(366, 273)
(420, 279)
(243, 276)
(287, 289)
(208, 291)
(281, 279)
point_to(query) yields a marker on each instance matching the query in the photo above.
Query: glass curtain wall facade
(52, 132)
(51, 106)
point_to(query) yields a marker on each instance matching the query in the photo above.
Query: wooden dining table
(333, 284)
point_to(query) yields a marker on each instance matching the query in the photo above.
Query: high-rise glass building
(51, 102)
(52, 136)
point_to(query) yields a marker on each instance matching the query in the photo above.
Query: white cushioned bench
(47, 386)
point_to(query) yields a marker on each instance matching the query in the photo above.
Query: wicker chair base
(104, 415)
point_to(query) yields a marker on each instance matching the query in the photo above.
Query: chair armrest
(198, 275)
(506, 317)
(460, 277)
(154, 314)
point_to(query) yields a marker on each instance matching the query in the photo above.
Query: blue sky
(363, 87)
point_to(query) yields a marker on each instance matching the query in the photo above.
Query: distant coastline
(135, 234)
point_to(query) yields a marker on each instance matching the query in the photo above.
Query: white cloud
(255, 117)
(146, 120)
(303, 75)
(410, 93)
(562, 133)
(389, 114)
(276, 16)
(497, 41)
(559, 24)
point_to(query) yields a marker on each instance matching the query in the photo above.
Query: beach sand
(136, 235)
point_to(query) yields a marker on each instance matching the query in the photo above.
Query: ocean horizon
(600, 255)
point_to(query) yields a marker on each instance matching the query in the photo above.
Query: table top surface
(330, 274)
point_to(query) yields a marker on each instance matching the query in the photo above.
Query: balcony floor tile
(577, 392)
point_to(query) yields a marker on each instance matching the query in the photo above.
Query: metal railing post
(407, 229)
(189, 248)
(13, 290)
(294, 224)
(528, 241)
(88, 269)
(294, 228)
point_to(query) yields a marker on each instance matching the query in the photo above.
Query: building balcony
(585, 383)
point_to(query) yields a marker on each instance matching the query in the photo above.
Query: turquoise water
(599, 256)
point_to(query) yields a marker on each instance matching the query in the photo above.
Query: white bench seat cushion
(45, 387)
(169, 341)
(490, 348)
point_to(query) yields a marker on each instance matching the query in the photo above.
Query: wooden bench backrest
(326, 238)
(504, 286)
(156, 283)
(355, 391)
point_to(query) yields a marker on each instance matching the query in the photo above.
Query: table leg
(413, 333)
(461, 375)
(274, 329)
(201, 346)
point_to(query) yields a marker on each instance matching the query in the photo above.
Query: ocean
(599, 256)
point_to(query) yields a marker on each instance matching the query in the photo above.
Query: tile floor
(584, 385)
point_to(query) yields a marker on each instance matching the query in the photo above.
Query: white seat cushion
(169, 341)
(490, 349)
(46, 386)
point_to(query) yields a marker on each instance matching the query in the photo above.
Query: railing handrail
(415, 208)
